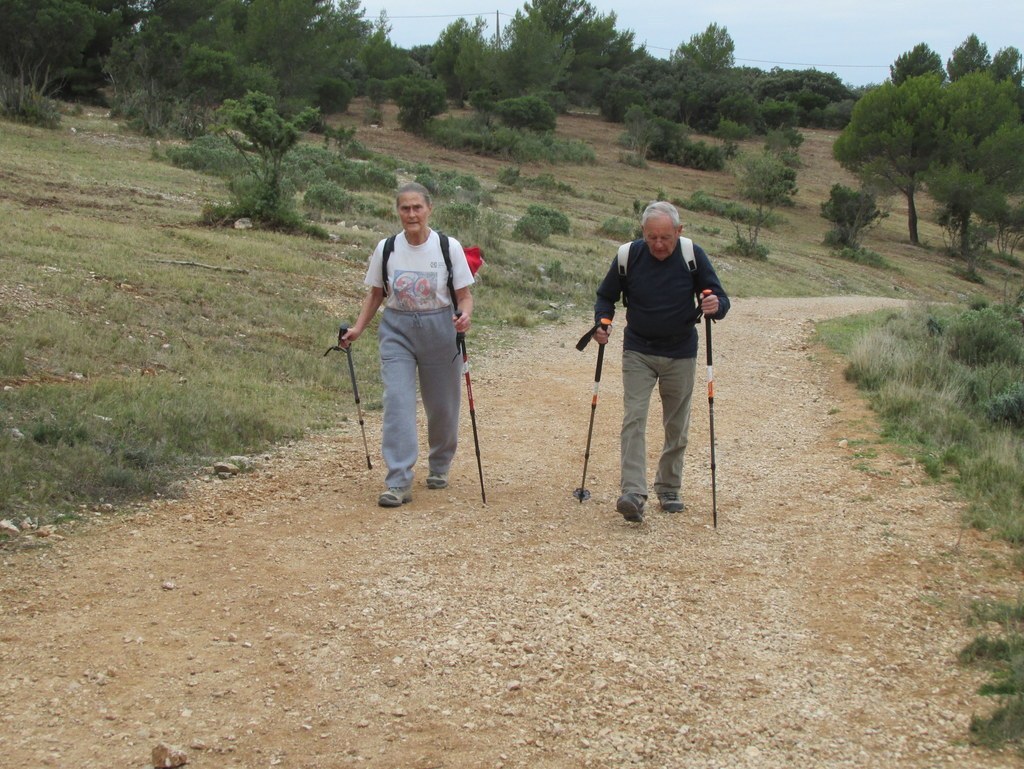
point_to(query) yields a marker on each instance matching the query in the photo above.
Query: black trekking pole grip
(581, 345)
(460, 336)
(342, 330)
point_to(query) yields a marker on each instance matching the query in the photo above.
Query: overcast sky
(856, 39)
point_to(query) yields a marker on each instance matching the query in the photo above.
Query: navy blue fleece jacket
(662, 311)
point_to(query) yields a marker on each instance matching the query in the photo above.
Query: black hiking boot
(631, 505)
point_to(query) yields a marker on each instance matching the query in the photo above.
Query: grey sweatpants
(423, 343)
(675, 378)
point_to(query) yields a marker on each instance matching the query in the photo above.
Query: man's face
(661, 236)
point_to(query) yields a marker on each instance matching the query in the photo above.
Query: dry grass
(799, 263)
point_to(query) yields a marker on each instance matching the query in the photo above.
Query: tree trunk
(912, 215)
(965, 245)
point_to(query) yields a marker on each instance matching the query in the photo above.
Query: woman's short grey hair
(660, 208)
(416, 187)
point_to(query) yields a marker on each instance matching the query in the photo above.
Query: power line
(817, 66)
(785, 63)
(487, 14)
(451, 15)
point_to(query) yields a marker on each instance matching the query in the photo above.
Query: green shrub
(619, 228)
(327, 197)
(208, 154)
(418, 101)
(731, 131)
(862, 256)
(455, 218)
(533, 228)
(450, 184)
(1008, 406)
(530, 112)
(701, 156)
(511, 144)
(334, 95)
(981, 337)
(549, 183)
(557, 221)
(361, 176)
(308, 160)
(745, 246)
(488, 231)
(509, 176)
(851, 213)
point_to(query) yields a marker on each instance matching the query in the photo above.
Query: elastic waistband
(413, 313)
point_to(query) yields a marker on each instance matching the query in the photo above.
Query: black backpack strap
(448, 266)
(389, 246)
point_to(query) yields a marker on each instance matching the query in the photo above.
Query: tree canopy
(893, 136)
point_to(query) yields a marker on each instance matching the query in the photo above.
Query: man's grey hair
(660, 208)
(416, 187)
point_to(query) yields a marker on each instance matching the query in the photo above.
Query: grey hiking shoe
(671, 502)
(437, 480)
(631, 505)
(396, 496)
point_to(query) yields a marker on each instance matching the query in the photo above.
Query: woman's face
(414, 211)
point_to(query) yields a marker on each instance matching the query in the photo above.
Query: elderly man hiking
(666, 284)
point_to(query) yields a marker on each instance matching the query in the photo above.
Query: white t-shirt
(417, 277)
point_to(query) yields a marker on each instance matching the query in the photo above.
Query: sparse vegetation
(158, 347)
(932, 375)
(520, 146)
(947, 384)
(1002, 655)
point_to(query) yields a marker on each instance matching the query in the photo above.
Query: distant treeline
(166, 64)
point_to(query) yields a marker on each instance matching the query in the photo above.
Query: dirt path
(282, 619)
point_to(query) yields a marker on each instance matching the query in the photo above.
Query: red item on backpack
(475, 257)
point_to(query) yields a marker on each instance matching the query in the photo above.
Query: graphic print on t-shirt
(415, 290)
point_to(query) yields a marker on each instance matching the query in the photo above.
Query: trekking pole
(355, 388)
(711, 413)
(581, 493)
(460, 340)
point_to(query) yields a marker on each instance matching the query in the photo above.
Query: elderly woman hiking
(414, 277)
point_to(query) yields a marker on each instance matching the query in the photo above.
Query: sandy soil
(280, 618)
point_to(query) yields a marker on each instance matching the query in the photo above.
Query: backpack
(626, 250)
(473, 256)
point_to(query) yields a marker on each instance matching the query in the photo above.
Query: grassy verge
(947, 385)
